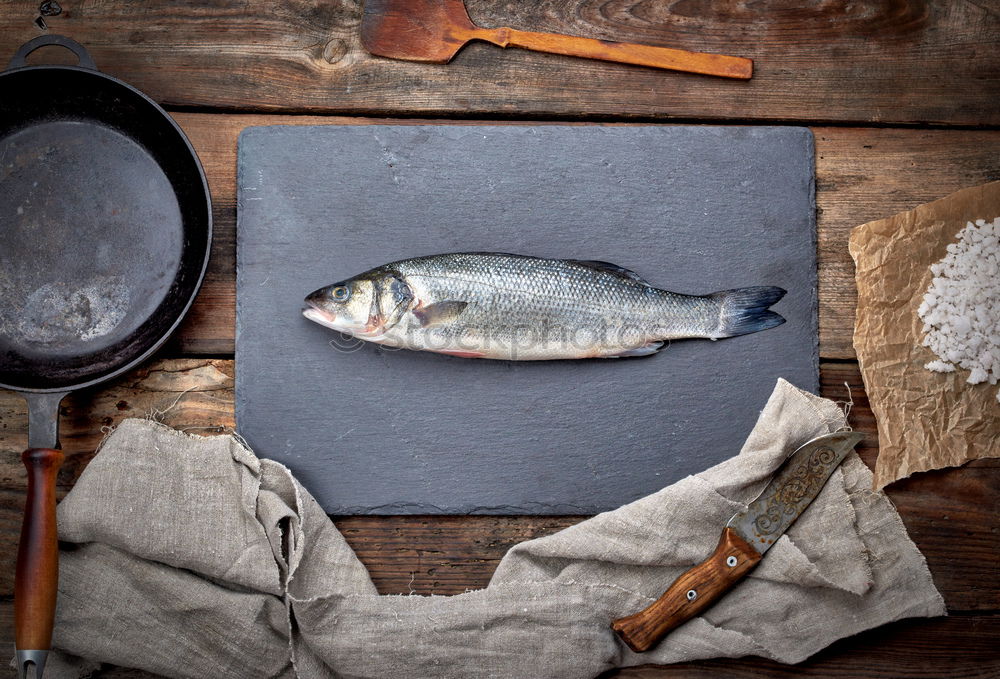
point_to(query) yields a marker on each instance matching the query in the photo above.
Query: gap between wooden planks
(951, 514)
(862, 174)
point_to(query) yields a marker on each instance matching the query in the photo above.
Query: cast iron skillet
(105, 231)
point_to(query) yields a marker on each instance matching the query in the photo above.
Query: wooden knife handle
(622, 52)
(691, 593)
(37, 572)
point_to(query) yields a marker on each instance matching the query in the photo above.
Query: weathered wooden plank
(940, 648)
(439, 554)
(861, 174)
(915, 649)
(952, 515)
(909, 61)
(191, 394)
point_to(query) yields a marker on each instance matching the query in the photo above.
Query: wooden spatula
(434, 31)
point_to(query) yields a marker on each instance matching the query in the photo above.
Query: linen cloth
(189, 556)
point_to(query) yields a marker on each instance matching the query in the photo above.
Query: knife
(745, 539)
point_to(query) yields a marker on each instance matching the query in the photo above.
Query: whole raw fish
(513, 307)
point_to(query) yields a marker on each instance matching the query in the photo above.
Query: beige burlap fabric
(191, 557)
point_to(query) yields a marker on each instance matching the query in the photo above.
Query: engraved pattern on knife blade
(792, 489)
(804, 481)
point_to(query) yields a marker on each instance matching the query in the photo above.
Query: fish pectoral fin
(644, 350)
(439, 312)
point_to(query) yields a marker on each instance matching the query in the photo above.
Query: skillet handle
(37, 574)
(20, 57)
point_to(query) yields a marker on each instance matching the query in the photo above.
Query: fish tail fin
(745, 310)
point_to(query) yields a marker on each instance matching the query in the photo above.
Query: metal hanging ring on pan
(19, 60)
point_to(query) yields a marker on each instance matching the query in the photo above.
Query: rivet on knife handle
(691, 593)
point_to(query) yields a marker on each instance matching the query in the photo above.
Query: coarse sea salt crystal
(940, 367)
(961, 307)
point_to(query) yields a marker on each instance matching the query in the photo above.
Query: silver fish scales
(515, 307)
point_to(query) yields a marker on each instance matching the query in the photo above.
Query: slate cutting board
(370, 430)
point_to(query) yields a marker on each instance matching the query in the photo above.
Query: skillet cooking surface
(92, 263)
(96, 192)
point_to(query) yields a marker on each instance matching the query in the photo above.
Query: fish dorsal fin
(439, 312)
(608, 267)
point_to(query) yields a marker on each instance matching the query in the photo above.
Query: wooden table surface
(902, 96)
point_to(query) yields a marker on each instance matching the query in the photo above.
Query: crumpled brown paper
(926, 420)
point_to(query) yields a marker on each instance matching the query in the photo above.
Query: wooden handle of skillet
(709, 580)
(622, 52)
(37, 572)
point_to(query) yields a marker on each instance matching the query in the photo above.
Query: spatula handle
(37, 572)
(691, 593)
(623, 52)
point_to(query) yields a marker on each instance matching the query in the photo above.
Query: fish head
(345, 306)
(363, 306)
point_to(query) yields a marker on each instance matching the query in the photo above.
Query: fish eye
(340, 293)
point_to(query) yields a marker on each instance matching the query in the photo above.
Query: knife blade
(745, 538)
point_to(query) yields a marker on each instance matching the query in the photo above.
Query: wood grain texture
(439, 554)
(952, 515)
(194, 395)
(883, 62)
(861, 174)
(37, 571)
(691, 594)
(941, 648)
(433, 31)
(721, 65)
(872, 61)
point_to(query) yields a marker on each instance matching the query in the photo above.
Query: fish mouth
(328, 320)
